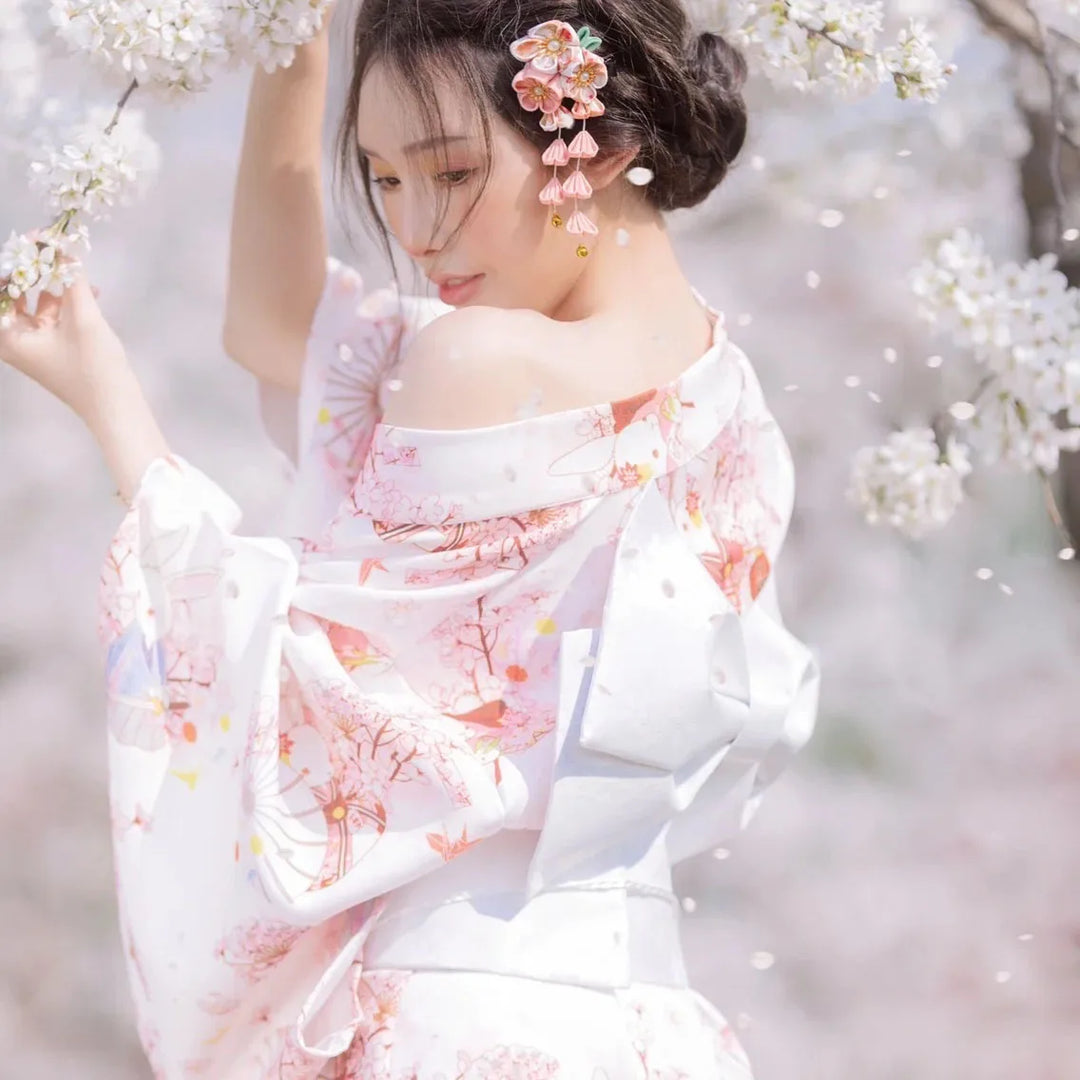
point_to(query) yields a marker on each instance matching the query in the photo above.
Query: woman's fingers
(47, 305)
(81, 301)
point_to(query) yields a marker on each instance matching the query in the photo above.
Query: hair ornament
(560, 63)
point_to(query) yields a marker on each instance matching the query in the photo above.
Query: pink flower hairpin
(560, 64)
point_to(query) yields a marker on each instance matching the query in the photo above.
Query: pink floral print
(432, 681)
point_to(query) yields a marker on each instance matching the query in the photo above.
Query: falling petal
(890, 355)
(762, 961)
(530, 406)
(962, 410)
(639, 176)
(934, 361)
(689, 905)
(757, 163)
(720, 853)
(874, 397)
(1006, 589)
(1002, 976)
(622, 237)
(791, 386)
(852, 381)
(830, 219)
(1067, 553)
(745, 319)
(881, 192)
(813, 278)
(1069, 235)
(984, 573)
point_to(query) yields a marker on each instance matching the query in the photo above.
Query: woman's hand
(67, 346)
(70, 349)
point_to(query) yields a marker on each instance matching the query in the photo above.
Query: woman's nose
(416, 234)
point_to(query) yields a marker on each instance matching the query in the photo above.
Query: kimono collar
(428, 476)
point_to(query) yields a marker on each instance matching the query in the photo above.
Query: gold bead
(582, 251)
(556, 220)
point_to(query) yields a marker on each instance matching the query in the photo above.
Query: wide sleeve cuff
(250, 789)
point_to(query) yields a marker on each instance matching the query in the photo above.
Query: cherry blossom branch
(172, 48)
(1068, 550)
(132, 87)
(783, 41)
(1005, 19)
(1057, 121)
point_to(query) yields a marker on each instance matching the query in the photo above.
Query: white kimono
(397, 796)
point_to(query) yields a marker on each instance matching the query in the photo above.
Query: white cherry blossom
(90, 172)
(908, 482)
(829, 45)
(167, 48)
(1021, 322)
(32, 265)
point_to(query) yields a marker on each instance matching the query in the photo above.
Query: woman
(398, 794)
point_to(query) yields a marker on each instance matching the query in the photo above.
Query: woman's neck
(621, 281)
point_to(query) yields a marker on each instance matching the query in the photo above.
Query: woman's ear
(601, 171)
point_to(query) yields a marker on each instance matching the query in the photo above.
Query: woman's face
(523, 261)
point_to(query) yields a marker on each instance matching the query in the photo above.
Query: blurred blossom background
(904, 905)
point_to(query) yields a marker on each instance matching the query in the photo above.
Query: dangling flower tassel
(561, 118)
(583, 145)
(577, 186)
(558, 153)
(580, 225)
(560, 62)
(554, 193)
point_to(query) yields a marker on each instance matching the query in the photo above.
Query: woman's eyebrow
(420, 146)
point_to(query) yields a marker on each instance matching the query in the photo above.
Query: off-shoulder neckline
(562, 417)
(438, 476)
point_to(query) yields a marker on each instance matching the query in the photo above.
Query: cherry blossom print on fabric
(513, 639)
(547, 1031)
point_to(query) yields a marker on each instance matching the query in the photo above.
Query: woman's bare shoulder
(471, 367)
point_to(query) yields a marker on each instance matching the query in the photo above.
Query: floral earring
(561, 63)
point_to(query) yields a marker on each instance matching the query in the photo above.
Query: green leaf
(588, 39)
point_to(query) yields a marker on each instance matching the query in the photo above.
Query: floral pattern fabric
(479, 672)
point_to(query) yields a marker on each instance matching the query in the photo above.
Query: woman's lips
(456, 291)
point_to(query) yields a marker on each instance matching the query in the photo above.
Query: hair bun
(714, 129)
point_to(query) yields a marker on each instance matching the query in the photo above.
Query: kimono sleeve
(691, 697)
(768, 679)
(244, 894)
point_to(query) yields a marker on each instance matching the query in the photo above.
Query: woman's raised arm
(278, 246)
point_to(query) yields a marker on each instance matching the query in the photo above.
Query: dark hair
(672, 92)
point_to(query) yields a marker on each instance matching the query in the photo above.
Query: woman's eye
(456, 176)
